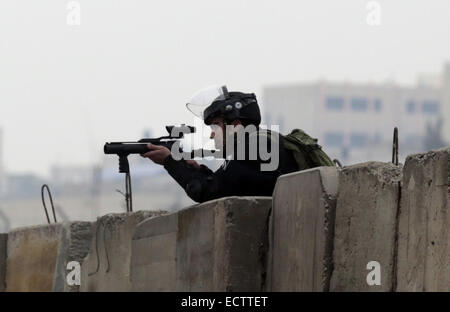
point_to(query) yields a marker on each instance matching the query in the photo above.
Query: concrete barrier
(302, 225)
(365, 226)
(215, 246)
(107, 266)
(326, 227)
(74, 245)
(37, 256)
(3, 242)
(153, 255)
(424, 223)
(31, 258)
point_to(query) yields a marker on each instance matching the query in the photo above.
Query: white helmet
(205, 97)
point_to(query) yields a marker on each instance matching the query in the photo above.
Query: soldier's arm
(239, 179)
(183, 173)
(201, 184)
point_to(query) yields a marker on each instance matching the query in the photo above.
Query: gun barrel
(140, 147)
(125, 148)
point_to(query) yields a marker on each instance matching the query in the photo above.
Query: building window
(411, 107)
(334, 139)
(377, 105)
(430, 107)
(335, 103)
(358, 140)
(359, 104)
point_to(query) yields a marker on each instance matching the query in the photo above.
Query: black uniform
(234, 178)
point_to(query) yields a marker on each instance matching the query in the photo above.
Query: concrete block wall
(36, 257)
(154, 254)
(424, 223)
(327, 225)
(215, 246)
(365, 226)
(31, 258)
(301, 231)
(396, 216)
(74, 246)
(318, 233)
(107, 265)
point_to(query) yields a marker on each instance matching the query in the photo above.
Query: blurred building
(355, 122)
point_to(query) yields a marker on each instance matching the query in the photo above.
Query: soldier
(238, 176)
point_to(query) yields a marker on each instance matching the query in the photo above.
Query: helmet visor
(203, 98)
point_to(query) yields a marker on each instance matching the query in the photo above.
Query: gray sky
(130, 65)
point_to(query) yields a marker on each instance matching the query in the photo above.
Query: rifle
(140, 147)
(123, 149)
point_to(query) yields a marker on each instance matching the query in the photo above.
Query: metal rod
(45, 186)
(128, 194)
(395, 147)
